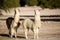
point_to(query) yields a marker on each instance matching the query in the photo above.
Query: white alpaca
(37, 23)
(28, 24)
(15, 24)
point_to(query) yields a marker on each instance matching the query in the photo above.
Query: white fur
(14, 24)
(37, 23)
(28, 24)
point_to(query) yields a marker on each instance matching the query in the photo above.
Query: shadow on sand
(6, 35)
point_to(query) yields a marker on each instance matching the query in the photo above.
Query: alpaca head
(37, 12)
(16, 15)
(16, 12)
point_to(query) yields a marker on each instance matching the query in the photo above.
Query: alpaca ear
(19, 10)
(35, 11)
(14, 12)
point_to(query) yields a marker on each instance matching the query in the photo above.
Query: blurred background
(49, 13)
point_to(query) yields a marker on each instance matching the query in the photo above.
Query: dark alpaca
(8, 23)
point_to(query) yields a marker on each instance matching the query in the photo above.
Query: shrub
(6, 4)
(49, 3)
(31, 2)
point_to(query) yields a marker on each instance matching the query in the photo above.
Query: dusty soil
(50, 30)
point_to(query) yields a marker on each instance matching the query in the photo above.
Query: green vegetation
(6, 4)
(49, 3)
(31, 2)
(44, 3)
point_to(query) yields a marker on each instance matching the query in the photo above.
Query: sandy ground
(41, 37)
(50, 30)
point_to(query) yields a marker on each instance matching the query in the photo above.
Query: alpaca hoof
(26, 38)
(10, 36)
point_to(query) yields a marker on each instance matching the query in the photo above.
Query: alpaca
(8, 23)
(15, 23)
(37, 23)
(34, 26)
(27, 24)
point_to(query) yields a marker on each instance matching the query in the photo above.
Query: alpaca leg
(11, 35)
(37, 33)
(12, 32)
(26, 33)
(34, 33)
(15, 35)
